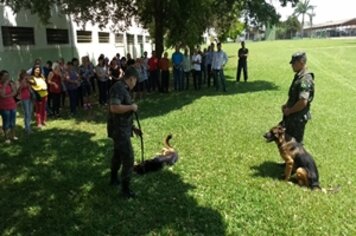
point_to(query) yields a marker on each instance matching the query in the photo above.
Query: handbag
(35, 95)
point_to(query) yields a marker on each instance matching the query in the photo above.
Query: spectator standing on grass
(39, 87)
(164, 64)
(197, 73)
(86, 72)
(55, 88)
(8, 106)
(209, 62)
(63, 67)
(219, 61)
(24, 92)
(102, 75)
(154, 72)
(187, 67)
(72, 83)
(177, 63)
(242, 62)
(296, 111)
(115, 72)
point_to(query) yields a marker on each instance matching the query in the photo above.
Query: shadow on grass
(268, 169)
(56, 183)
(157, 104)
(160, 104)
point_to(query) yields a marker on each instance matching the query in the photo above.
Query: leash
(141, 137)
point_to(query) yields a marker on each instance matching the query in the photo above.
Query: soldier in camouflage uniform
(296, 112)
(120, 128)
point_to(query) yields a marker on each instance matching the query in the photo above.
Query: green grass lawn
(55, 182)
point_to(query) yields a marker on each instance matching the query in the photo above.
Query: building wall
(16, 57)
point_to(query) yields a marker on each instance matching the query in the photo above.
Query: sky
(325, 10)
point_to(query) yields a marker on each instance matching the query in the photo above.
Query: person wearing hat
(120, 128)
(296, 111)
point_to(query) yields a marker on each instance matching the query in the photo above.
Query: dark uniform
(302, 87)
(242, 64)
(119, 128)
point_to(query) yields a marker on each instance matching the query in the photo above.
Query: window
(84, 36)
(130, 39)
(57, 36)
(119, 38)
(148, 39)
(104, 37)
(17, 35)
(140, 39)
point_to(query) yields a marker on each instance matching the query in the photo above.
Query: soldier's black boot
(126, 191)
(114, 180)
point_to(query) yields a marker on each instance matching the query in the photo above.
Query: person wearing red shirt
(154, 73)
(8, 106)
(164, 65)
(24, 93)
(55, 89)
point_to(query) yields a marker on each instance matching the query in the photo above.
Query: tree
(179, 21)
(288, 28)
(303, 8)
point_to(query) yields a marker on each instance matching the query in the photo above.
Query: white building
(23, 38)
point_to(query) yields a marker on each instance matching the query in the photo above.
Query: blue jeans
(178, 79)
(73, 100)
(8, 119)
(27, 109)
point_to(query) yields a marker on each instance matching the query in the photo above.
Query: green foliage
(304, 8)
(176, 21)
(288, 28)
(55, 181)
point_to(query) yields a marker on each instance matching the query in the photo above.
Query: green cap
(298, 56)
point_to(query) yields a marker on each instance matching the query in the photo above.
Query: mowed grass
(55, 182)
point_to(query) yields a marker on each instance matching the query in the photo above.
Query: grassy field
(55, 182)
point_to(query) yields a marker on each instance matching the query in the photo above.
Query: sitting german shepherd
(168, 156)
(297, 159)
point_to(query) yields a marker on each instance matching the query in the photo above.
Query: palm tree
(303, 8)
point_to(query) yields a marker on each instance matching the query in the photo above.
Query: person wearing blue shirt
(177, 62)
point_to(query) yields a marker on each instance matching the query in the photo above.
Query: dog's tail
(331, 189)
(166, 141)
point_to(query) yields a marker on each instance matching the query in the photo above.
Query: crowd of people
(44, 89)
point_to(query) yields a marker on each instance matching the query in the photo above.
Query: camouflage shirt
(119, 124)
(302, 87)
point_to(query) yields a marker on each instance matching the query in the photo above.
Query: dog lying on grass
(168, 156)
(297, 159)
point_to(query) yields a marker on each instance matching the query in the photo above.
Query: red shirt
(153, 63)
(164, 64)
(55, 79)
(25, 93)
(7, 103)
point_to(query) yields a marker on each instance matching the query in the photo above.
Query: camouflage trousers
(123, 157)
(295, 127)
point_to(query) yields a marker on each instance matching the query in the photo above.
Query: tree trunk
(159, 28)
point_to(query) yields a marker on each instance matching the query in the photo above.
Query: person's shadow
(57, 183)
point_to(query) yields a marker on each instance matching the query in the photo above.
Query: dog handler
(296, 112)
(120, 128)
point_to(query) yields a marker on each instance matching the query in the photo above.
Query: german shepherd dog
(168, 156)
(297, 159)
